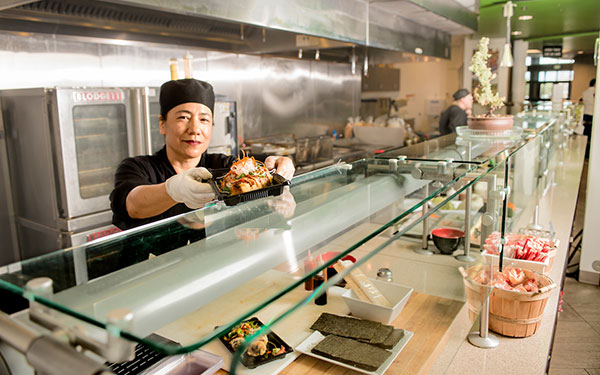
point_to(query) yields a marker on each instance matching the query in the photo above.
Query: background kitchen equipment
(62, 148)
(303, 151)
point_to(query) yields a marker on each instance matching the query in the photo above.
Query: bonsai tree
(483, 92)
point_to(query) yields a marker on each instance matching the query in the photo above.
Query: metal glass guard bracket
(440, 171)
(489, 222)
(66, 338)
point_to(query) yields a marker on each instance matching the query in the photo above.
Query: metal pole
(425, 239)
(504, 212)
(489, 219)
(466, 257)
(484, 339)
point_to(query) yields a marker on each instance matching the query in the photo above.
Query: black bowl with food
(447, 239)
(264, 349)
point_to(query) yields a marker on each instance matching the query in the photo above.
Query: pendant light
(507, 59)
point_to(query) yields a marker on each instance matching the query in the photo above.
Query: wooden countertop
(429, 317)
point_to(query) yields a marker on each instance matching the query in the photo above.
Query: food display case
(195, 277)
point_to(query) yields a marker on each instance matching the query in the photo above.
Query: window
(550, 76)
(546, 90)
(543, 76)
(554, 61)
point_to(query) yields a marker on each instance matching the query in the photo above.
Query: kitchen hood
(335, 27)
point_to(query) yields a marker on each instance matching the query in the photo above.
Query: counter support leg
(466, 257)
(425, 246)
(484, 339)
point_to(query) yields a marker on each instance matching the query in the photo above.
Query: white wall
(590, 250)
(518, 75)
(430, 79)
(583, 73)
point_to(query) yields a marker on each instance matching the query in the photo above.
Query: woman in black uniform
(168, 183)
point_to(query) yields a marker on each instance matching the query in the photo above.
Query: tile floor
(576, 349)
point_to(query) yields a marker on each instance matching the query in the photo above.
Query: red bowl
(447, 239)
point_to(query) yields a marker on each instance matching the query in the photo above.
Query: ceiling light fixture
(525, 18)
(580, 52)
(516, 32)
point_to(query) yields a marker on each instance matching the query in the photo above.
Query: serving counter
(194, 277)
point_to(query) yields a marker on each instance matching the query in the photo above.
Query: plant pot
(497, 123)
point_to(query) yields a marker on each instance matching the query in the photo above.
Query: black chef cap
(189, 90)
(460, 93)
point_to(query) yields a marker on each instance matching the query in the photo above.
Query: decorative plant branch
(483, 92)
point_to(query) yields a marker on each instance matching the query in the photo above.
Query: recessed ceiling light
(525, 18)
(580, 52)
(516, 33)
(533, 50)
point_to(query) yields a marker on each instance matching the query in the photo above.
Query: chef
(174, 180)
(456, 114)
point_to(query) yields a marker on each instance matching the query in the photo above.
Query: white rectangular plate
(311, 341)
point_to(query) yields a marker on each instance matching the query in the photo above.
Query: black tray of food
(259, 351)
(276, 188)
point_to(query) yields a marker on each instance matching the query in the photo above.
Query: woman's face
(187, 129)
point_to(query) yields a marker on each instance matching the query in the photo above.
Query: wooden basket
(514, 314)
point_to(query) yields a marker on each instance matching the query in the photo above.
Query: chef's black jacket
(150, 170)
(451, 118)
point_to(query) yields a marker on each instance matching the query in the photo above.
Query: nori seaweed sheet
(345, 326)
(352, 352)
(391, 341)
(382, 333)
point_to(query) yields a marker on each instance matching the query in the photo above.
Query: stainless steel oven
(63, 146)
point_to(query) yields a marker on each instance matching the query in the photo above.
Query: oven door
(93, 133)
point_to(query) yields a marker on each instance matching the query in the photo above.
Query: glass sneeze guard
(165, 270)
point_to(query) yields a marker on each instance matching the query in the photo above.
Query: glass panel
(230, 249)
(552, 61)
(546, 90)
(541, 76)
(220, 265)
(528, 60)
(100, 144)
(527, 76)
(551, 75)
(565, 75)
(454, 148)
(527, 90)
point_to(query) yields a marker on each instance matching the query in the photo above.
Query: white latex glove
(188, 188)
(284, 166)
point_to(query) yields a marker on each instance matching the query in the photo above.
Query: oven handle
(146, 120)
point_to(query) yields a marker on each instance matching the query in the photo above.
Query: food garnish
(259, 346)
(246, 174)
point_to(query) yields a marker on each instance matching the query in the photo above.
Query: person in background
(588, 113)
(456, 114)
(174, 180)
